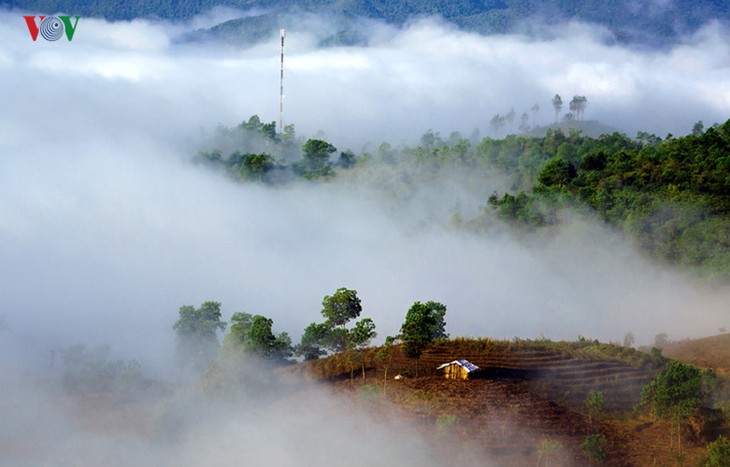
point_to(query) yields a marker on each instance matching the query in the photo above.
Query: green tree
(698, 128)
(510, 119)
(316, 154)
(263, 342)
(557, 105)
(254, 334)
(256, 166)
(718, 453)
(269, 130)
(240, 324)
(253, 123)
(197, 338)
(338, 309)
(557, 172)
(347, 159)
(333, 335)
(595, 447)
(578, 105)
(674, 394)
(342, 306)
(360, 337)
(594, 404)
(313, 344)
(424, 323)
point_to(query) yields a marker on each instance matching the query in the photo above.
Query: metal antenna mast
(281, 90)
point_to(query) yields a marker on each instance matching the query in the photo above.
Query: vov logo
(51, 27)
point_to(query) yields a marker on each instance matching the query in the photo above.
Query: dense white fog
(106, 229)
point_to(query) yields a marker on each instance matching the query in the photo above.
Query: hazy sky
(106, 229)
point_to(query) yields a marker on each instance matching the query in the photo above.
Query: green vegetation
(315, 162)
(594, 404)
(595, 447)
(424, 324)
(254, 334)
(675, 394)
(339, 308)
(333, 335)
(197, 338)
(670, 197)
(718, 453)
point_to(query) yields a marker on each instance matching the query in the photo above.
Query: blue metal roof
(466, 364)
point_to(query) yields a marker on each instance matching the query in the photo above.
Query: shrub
(595, 447)
(718, 453)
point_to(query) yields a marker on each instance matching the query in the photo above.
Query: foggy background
(106, 229)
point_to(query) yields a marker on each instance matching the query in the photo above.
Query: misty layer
(107, 229)
(273, 421)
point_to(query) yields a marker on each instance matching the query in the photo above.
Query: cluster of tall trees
(499, 122)
(670, 195)
(254, 151)
(197, 332)
(333, 334)
(577, 107)
(676, 393)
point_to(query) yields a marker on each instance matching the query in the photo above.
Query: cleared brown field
(528, 392)
(709, 352)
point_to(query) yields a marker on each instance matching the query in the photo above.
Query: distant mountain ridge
(653, 22)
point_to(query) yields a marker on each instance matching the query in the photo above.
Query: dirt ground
(500, 423)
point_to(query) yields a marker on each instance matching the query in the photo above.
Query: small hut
(458, 369)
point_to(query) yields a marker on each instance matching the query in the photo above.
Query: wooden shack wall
(456, 372)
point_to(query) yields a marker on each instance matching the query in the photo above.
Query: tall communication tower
(281, 89)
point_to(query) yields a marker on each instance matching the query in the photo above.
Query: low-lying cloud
(105, 229)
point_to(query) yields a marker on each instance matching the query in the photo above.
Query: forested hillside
(651, 23)
(671, 196)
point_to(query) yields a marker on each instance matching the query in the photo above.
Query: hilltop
(527, 405)
(709, 352)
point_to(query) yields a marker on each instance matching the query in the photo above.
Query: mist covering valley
(107, 228)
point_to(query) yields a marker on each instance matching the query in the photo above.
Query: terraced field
(557, 375)
(525, 407)
(493, 421)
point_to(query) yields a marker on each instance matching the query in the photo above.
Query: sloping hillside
(526, 406)
(565, 372)
(709, 352)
